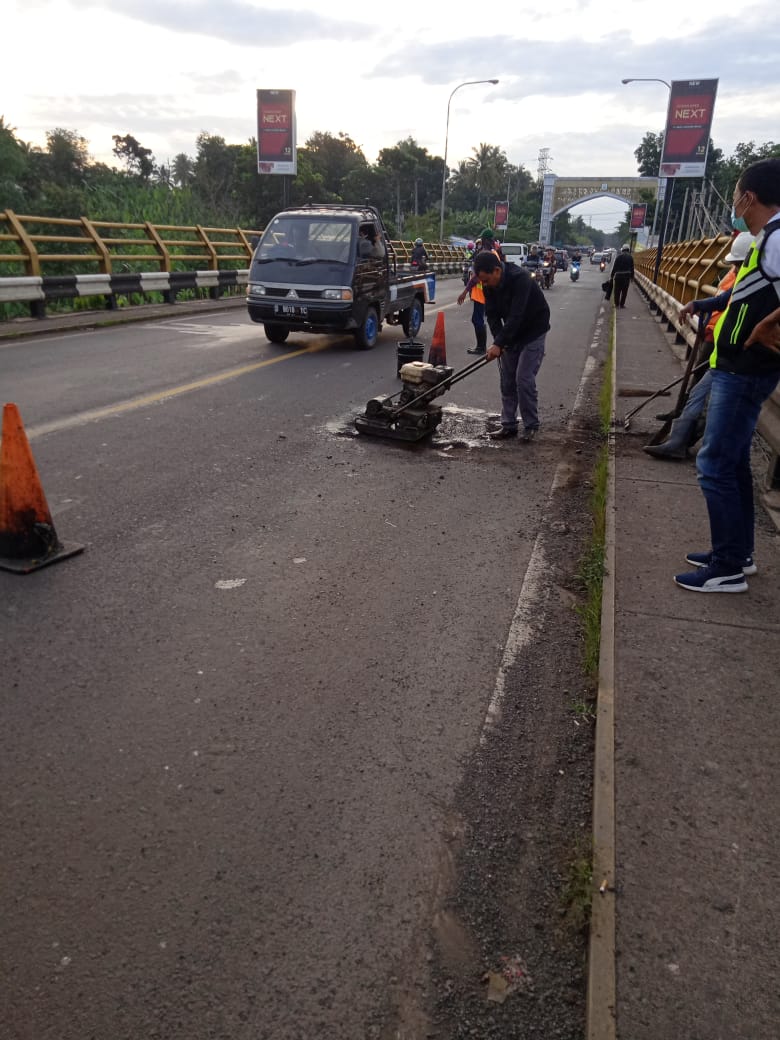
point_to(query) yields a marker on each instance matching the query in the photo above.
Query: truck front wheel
(366, 335)
(412, 318)
(276, 333)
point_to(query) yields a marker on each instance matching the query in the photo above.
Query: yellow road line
(121, 407)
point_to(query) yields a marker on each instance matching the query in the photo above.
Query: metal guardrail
(89, 246)
(690, 271)
(52, 258)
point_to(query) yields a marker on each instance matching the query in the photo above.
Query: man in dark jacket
(622, 274)
(519, 320)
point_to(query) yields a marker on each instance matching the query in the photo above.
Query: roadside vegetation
(590, 573)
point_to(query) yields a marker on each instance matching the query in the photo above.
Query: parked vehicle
(331, 268)
(515, 252)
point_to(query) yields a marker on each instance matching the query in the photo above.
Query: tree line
(220, 185)
(705, 202)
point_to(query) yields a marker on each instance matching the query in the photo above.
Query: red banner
(276, 151)
(501, 218)
(638, 215)
(688, 123)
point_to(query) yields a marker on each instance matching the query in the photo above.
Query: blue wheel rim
(371, 328)
(416, 322)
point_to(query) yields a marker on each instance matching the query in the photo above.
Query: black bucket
(409, 350)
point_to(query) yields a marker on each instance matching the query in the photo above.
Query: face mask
(738, 223)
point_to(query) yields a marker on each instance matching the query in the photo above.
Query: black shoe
(503, 434)
(529, 433)
(475, 350)
(666, 416)
(667, 450)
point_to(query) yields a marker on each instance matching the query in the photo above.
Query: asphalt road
(233, 727)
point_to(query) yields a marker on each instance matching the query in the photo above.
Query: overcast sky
(164, 71)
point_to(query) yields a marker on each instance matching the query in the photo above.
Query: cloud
(215, 83)
(569, 66)
(236, 22)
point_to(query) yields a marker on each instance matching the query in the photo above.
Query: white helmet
(418, 242)
(740, 247)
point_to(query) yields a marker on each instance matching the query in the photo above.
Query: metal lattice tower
(543, 164)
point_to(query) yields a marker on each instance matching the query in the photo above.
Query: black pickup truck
(332, 269)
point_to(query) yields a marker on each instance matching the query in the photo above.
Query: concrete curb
(80, 321)
(602, 995)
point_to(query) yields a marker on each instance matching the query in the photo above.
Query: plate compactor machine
(410, 415)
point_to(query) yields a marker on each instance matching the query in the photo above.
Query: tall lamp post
(468, 83)
(668, 190)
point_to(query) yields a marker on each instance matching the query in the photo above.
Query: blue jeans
(723, 463)
(518, 368)
(697, 398)
(478, 315)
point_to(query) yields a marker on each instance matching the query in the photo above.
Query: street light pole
(468, 83)
(668, 185)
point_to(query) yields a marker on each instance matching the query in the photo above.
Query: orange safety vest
(726, 282)
(478, 293)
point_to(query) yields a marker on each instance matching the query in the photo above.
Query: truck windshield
(306, 240)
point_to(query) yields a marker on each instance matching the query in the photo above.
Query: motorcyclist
(533, 260)
(419, 258)
(549, 258)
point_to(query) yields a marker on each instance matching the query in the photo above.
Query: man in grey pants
(519, 320)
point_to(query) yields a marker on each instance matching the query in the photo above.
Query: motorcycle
(547, 274)
(574, 271)
(603, 266)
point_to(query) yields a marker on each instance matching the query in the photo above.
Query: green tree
(138, 160)
(13, 168)
(68, 156)
(182, 170)
(334, 158)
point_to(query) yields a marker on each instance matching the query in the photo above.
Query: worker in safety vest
(475, 291)
(745, 372)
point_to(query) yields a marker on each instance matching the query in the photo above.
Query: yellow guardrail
(32, 245)
(103, 246)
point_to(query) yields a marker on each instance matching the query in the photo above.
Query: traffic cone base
(437, 355)
(32, 563)
(28, 540)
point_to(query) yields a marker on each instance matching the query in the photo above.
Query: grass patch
(584, 710)
(590, 572)
(577, 895)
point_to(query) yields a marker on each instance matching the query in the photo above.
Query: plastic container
(409, 350)
(431, 282)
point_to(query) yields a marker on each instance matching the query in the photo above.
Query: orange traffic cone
(27, 536)
(437, 355)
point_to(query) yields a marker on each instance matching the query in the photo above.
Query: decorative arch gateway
(561, 193)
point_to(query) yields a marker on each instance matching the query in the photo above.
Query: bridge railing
(691, 271)
(46, 259)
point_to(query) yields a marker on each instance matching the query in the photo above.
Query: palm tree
(488, 166)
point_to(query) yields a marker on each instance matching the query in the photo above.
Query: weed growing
(590, 573)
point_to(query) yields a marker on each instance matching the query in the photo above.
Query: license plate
(294, 310)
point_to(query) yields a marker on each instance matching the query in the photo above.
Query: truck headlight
(256, 290)
(337, 294)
